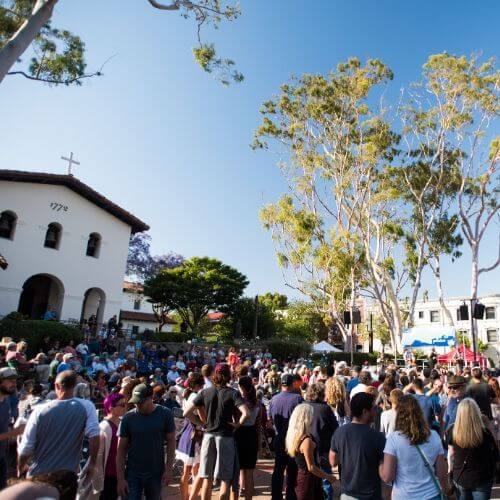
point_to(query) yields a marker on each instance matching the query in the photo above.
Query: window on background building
(94, 245)
(8, 222)
(53, 236)
(135, 330)
(137, 305)
(490, 313)
(434, 316)
(420, 314)
(492, 335)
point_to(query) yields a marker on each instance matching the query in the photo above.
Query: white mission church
(65, 245)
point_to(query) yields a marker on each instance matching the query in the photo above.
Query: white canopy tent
(324, 346)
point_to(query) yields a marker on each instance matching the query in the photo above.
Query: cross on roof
(70, 162)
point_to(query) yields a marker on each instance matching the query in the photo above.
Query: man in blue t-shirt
(142, 434)
(280, 410)
(354, 380)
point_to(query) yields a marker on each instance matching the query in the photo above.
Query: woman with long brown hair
(413, 456)
(472, 453)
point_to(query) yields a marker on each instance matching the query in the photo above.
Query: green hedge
(358, 357)
(169, 337)
(34, 331)
(281, 349)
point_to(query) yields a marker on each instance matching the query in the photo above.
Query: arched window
(8, 221)
(53, 236)
(94, 245)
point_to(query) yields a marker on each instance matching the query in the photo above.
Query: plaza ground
(263, 485)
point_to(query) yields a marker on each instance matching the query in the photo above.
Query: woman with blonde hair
(472, 453)
(413, 456)
(300, 445)
(336, 397)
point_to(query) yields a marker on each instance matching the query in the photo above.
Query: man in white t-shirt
(365, 380)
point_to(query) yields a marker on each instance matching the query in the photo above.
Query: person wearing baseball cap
(141, 465)
(280, 411)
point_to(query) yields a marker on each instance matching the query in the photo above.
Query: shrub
(282, 349)
(170, 337)
(35, 331)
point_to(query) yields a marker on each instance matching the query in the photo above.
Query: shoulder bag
(430, 469)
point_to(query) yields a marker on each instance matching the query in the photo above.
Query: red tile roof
(78, 187)
(215, 316)
(142, 316)
(131, 286)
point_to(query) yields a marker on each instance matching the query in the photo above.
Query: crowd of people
(121, 424)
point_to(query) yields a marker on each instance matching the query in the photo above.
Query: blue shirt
(450, 414)
(280, 410)
(352, 384)
(425, 403)
(63, 366)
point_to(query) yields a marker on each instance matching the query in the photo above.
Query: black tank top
(300, 459)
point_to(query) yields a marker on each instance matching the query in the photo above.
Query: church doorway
(41, 292)
(93, 305)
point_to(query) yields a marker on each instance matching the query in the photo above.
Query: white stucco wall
(128, 299)
(27, 256)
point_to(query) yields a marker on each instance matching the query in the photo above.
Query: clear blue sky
(171, 145)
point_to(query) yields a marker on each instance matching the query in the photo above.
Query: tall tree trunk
(24, 36)
(416, 287)
(445, 312)
(350, 335)
(474, 272)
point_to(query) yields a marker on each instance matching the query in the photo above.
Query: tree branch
(61, 82)
(157, 5)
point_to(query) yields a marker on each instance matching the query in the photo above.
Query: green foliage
(464, 338)
(60, 55)
(170, 337)
(273, 301)
(34, 331)
(283, 349)
(239, 322)
(303, 321)
(372, 202)
(195, 288)
(206, 56)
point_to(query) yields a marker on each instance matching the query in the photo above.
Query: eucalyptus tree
(59, 55)
(459, 102)
(336, 229)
